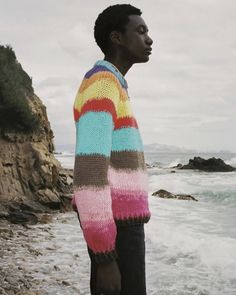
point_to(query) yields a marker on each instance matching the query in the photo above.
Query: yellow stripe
(103, 88)
(103, 75)
(124, 109)
(99, 76)
(123, 95)
(100, 85)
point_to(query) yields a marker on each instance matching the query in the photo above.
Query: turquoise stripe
(94, 133)
(127, 139)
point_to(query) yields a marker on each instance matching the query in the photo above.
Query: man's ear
(115, 37)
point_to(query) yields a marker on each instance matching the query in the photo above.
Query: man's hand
(109, 279)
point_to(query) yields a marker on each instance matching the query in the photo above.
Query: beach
(190, 246)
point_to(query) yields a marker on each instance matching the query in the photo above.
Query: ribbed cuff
(133, 220)
(105, 258)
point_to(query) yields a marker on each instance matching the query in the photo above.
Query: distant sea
(190, 246)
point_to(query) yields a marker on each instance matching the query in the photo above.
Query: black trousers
(130, 246)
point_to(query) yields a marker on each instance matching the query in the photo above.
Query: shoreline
(31, 259)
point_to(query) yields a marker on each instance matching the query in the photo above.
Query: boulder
(167, 195)
(33, 206)
(22, 217)
(49, 198)
(45, 218)
(209, 165)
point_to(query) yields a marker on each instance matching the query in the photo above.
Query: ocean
(190, 246)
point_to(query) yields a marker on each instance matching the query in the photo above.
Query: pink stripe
(93, 203)
(129, 204)
(128, 180)
(101, 236)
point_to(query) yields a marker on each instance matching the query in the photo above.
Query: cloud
(185, 94)
(51, 82)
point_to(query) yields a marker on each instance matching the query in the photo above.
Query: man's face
(136, 44)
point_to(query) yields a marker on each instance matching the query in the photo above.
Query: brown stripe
(132, 160)
(91, 170)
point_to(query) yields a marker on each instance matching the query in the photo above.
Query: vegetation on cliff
(15, 88)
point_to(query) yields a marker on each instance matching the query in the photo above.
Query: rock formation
(209, 165)
(31, 178)
(167, 195)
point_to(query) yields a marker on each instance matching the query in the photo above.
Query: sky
(185, 96)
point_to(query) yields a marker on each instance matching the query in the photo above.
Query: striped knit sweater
(110, 186)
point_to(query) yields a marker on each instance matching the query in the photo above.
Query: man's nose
(149, 40)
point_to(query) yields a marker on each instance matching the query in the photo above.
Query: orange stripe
(97, 105)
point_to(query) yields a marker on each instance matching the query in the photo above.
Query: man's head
(121, 28)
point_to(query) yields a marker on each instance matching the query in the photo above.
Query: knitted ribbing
(110, 178)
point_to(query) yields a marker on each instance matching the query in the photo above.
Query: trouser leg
(130, 246)
(93, 274)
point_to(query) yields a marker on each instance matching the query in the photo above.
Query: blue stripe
(127, 139)
(94, 133)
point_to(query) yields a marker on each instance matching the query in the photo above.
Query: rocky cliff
(31, 178)
(30, 175)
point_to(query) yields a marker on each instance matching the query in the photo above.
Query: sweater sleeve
(95, 111)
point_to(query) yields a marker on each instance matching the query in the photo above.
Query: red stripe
(76, 114)
(97, 105)
(126, 122)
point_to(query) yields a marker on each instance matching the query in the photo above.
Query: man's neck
(121, 65)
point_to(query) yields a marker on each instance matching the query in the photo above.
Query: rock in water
(209, 165)
(185, 197)
(167, 195)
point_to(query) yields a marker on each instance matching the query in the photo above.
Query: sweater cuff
(104, 258)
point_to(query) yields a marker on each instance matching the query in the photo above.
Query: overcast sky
(184, 96)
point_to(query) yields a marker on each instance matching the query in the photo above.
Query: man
(110, 178)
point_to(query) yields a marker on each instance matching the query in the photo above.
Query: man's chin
(143, 59)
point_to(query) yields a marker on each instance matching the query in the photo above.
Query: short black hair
(113, 18)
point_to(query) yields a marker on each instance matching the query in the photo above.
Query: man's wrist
(106, 257)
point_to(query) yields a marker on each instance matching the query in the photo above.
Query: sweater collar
(112, 68)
